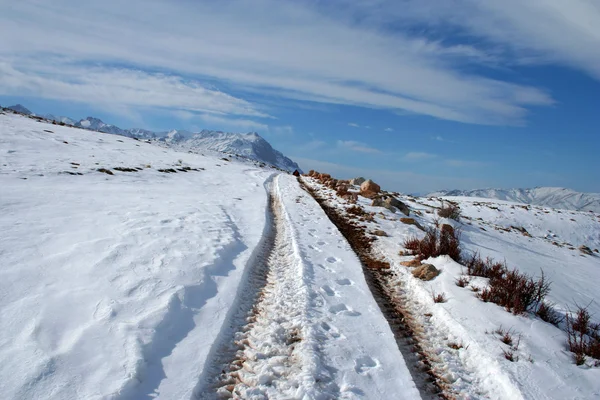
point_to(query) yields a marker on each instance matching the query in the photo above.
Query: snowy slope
(554, 197)
(128, 286)
(460, 333)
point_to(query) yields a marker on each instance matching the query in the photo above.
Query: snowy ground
(224, 279)
(127, 286)
(544, 369)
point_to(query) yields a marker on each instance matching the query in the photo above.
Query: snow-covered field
(128, 286)
(225, 279)
(543, 368)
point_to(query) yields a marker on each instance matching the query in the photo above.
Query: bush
(439, 298)
(462, 282)
(451, 211)
(547, 313)
(583, 337)
(515, 291)
(436, 243)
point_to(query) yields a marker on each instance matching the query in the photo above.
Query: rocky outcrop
(426, 272)
(357, 181)
(391, 203)
(369, 189)
(586, 250)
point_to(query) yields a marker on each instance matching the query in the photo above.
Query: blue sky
(420, 95)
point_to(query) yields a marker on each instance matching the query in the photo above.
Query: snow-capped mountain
(20, 109)
(554, 197)
(64, 120)
(250, 145)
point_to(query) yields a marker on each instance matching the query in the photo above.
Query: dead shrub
(451, 210)
(516, 291)
(463, 282)
(547, 313)
(436, 243)
(439, 297)
(509, 354)
(583, 336)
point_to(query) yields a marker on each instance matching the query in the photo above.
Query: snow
(545, 369)
(555, 197)
(127, 285)
(115, 284)
(151, 284)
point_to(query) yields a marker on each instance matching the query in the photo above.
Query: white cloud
(229, 123)
(356, 146)
(417, 155)
(532, 31)
(354, 125)
(381, 69)
(114, 87)
(388, 130)
(312, 145)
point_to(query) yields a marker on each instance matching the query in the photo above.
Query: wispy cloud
(354, 125)
(388, 130)
(383, 69)
(113, 87)
(509, 31)
(439, 138)
(233, 123)
(357, 147)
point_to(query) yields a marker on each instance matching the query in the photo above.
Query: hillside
(554, 197)
(136, 269)
(250, 145)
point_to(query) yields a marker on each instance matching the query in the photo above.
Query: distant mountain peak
(20, 109)
(553, 197)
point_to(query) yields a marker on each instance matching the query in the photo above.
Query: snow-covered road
(127, 286)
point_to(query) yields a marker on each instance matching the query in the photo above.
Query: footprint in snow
(332, 260)
(324, 267)
(343, 309)
(328, 290)
(344, 282)
(321, 243)
(310, 246)
(364, 364)
(332, 331)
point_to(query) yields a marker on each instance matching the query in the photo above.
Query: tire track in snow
(270, 351)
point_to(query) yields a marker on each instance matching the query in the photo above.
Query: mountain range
(553, 197)
(250, 145)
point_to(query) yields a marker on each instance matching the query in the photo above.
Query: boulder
(296, 173)
(586, 250)
(357, 181)
(411, 221)
(426, 272)
(415, 262)
(379, 232)
(369, 189)
(394, 202)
